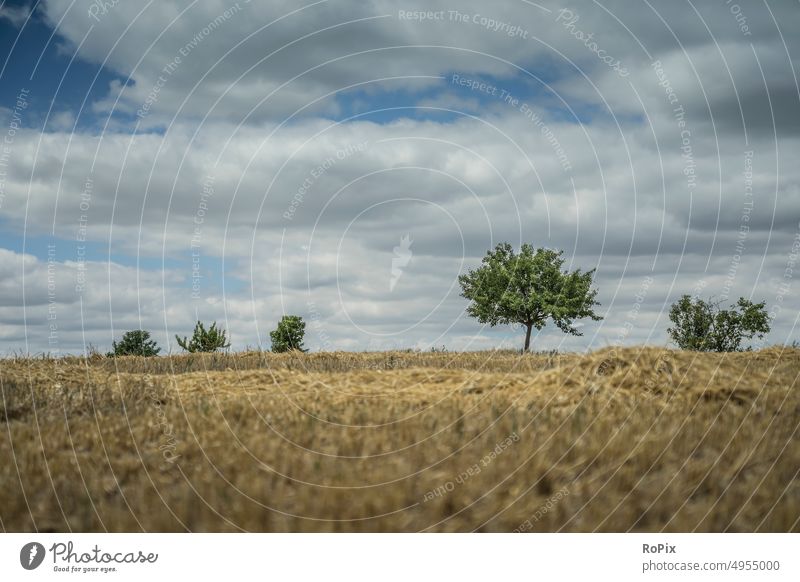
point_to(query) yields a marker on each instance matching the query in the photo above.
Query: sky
(170, 161)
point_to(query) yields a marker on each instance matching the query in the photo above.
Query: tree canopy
(204, 340)
(135, 343)
(703, 326)
(289, 334)
(528, 288)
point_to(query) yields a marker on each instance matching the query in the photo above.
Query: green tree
(204, 340)
(135, 343)
(703, 326)
(289, 334)
(528, 289)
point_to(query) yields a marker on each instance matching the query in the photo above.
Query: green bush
(204, 340)
(702, 326)
(134, 343)
(289, 334)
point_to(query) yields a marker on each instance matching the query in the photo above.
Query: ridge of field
(642, 439)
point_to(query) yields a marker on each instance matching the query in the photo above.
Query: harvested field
(639, 439)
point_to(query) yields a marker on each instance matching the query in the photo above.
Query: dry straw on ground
(616, 440)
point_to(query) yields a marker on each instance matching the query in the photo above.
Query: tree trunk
(528, 337)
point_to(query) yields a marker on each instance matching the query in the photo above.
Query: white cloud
(307, 211)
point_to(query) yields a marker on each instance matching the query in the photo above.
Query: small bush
(204, 340)
(702, 326)
(289, 334)
(134, 343)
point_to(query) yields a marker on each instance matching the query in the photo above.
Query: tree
(289, 334)
(703, 326)
(135, 343)
(528, 289)
(204, 340)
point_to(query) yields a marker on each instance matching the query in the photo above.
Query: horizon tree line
(527, 288)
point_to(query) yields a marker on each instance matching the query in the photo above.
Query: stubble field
(639, 439)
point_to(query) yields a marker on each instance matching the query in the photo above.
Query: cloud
(16, 15)
(278, 147)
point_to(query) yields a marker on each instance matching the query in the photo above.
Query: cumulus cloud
(278, 154)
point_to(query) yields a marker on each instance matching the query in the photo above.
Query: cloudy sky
(345, 161)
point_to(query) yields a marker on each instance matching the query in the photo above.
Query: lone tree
(135, 343)
(204, 340)
(289, 334)
(703, 326)
(528, 288)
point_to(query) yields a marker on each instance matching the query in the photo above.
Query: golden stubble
(639, 439)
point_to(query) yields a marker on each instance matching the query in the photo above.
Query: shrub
(702, 326)
(204, 340)
(289, 334)
(135, 343)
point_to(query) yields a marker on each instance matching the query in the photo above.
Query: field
(637, 439)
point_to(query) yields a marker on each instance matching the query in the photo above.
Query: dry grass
(635, 439)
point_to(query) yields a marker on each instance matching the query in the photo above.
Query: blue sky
(42, 63)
